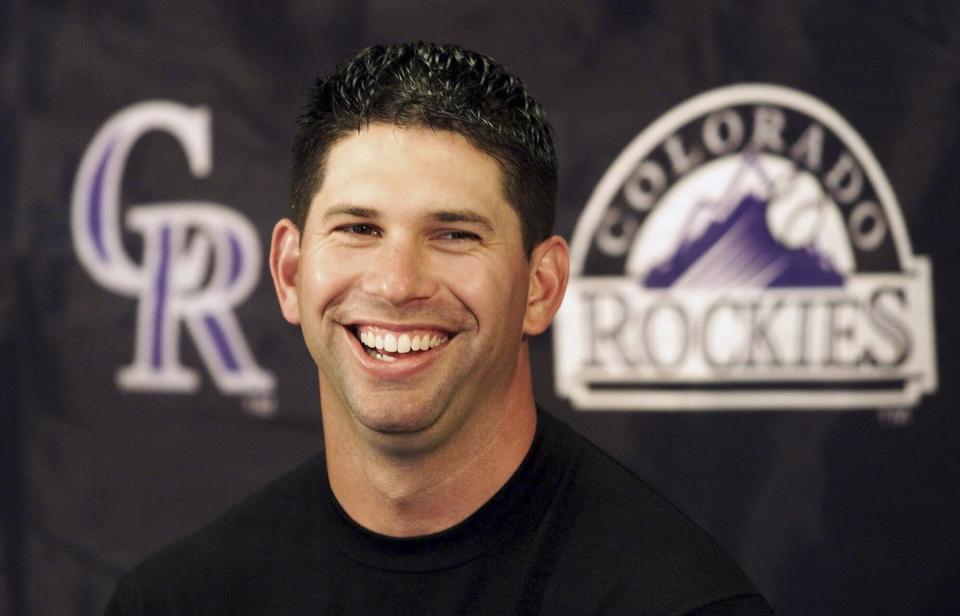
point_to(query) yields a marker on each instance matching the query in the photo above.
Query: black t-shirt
(572, 532)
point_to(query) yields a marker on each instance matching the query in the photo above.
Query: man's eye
(359, 229)
(457, 235)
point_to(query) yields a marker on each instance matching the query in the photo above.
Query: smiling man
(414, 291)
(418, 260)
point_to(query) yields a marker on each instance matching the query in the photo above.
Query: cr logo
(199, 260)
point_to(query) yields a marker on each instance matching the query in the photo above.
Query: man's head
(441, 87)
(418, 274)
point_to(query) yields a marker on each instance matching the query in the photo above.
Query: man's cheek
(483, 295)
(326, 283)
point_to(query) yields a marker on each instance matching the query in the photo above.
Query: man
(418, 260)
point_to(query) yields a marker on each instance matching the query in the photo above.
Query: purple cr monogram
(200, 259)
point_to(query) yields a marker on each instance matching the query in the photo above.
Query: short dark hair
(442, 87)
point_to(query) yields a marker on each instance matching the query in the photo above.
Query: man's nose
(399, 272)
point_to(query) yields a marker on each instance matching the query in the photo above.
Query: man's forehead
(383, 164)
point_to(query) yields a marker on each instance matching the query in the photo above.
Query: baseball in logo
(745, 251)
(200, 259)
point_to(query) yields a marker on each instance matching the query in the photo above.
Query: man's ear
(285, 267)
(549, 272)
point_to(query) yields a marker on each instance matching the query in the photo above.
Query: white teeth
(377, 354)
(390, 342)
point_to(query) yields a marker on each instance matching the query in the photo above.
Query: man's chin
(397, 425)
(401, 420)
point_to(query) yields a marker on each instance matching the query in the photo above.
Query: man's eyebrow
(353, 211)
(460, 215)
(468, 216)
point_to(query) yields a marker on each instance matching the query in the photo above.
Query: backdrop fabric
(129, 419)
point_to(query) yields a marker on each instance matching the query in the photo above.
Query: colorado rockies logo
(745, 251)
(200, 259)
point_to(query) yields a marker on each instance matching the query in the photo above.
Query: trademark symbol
(260, 406)
(897, 417)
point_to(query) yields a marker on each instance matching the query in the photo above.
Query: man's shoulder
(600, 486)
(604, 488)
(625, 537)
(229, 551)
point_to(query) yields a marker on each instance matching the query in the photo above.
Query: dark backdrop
(830, 512)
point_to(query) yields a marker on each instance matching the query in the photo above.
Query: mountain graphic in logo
(736, 249)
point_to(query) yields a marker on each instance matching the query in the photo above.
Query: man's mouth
(388, 345)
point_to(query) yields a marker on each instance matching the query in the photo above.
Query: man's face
(412, 283)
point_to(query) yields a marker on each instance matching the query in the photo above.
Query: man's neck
(407, 496)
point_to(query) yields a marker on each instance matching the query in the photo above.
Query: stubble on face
(474, 290)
